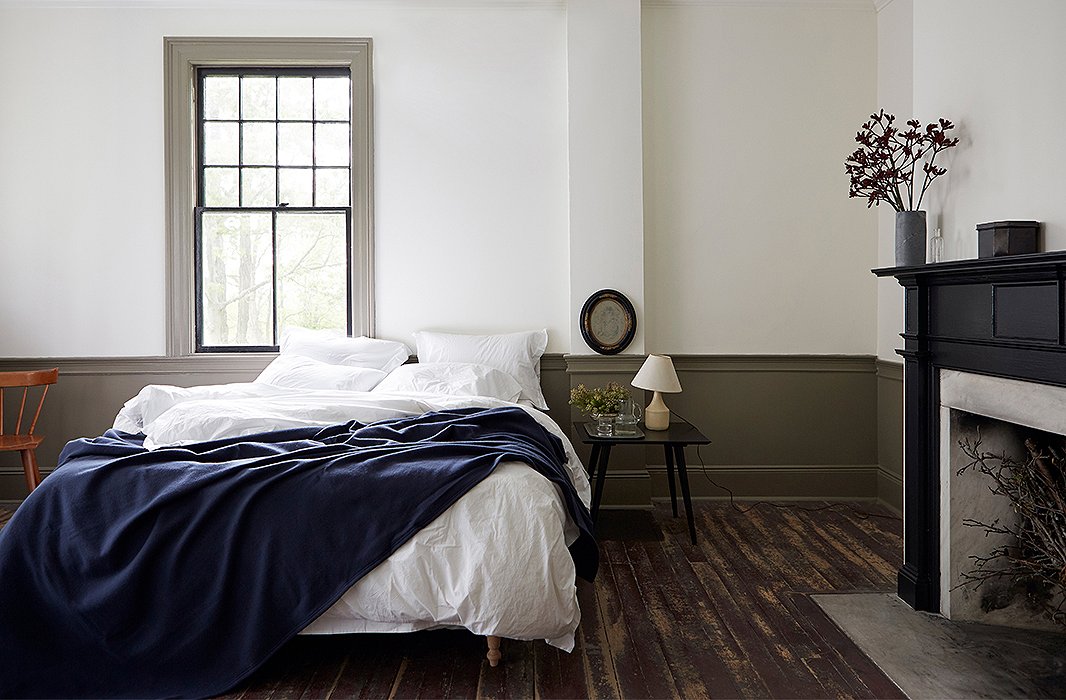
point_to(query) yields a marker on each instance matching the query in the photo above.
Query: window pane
(294, 187)
(332, 145)
(331, 187)
(260, 144)
(220, 97)
(257, 97)
(237, 279)
(294, 144)
(220, 187)
(332, 98)
(312, 270)
(220, 143)
(294, 98)
(257, 187)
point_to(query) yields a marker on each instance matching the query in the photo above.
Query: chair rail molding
(613, 364)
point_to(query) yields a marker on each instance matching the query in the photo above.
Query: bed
(496, 550)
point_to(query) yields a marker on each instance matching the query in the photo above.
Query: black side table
(674, 439)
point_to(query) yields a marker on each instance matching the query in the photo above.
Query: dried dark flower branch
(1036, 554)
(883, 169)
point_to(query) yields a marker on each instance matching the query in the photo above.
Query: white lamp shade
(657, 374)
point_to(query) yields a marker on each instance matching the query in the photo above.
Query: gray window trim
(181, 57)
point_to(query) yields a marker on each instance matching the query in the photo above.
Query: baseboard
(635, 488)
(13, 486)
(626, 489)
(777, 482)
(774, 499)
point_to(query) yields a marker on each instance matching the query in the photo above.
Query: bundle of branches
(885, 166)
(1035, 555)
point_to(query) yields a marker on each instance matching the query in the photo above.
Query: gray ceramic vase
(910, 238)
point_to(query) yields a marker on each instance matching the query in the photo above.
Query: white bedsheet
(496, 562)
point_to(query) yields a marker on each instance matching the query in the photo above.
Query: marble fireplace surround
(1013, 405)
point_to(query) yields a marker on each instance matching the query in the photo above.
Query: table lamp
(657, 374)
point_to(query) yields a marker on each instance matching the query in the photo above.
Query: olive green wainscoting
(781, 427)
(890, 434)
(91, 391)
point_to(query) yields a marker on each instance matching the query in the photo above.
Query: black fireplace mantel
(996, 316)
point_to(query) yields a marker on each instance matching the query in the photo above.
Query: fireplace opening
(985, 458)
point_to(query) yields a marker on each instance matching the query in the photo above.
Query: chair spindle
(40, 405)
(18, 423)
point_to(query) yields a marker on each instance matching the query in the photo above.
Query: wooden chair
(25, 443)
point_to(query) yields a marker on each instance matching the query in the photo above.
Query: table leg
(682, 471)
(668, 449)
(601, 476)
(594, 460)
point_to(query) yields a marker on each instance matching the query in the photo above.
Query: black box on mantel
(998, 238)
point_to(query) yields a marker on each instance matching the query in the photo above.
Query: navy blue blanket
(177, 572)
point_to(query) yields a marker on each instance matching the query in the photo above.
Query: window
(268, 190)
(273, 212)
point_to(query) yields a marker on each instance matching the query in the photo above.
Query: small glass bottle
(936, 247)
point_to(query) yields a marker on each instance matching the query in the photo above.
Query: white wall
(470, 157)
(751, 243)
(895, 94)
(508, 183)
(997, 70)
(606, 199)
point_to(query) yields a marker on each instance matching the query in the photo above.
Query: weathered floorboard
(728, 617)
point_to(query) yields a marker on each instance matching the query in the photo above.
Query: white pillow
(454, 378)
(335, 348)
(295, 372)
(155, 399)
(517, 354)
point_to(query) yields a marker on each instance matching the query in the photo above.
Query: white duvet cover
(496, 562)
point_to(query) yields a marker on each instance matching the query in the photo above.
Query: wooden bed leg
(494, 650)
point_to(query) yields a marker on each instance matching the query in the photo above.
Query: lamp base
(657, 415)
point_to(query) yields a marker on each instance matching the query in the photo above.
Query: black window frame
(238, 71)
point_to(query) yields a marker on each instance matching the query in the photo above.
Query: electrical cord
(861, 514)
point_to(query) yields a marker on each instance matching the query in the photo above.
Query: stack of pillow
(328, 359)
(504, 366)
(514, 354)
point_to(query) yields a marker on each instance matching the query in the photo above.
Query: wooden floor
(730, 617)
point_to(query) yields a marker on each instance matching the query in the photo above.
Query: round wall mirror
(608, 322)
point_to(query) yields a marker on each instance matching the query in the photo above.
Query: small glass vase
(604, 423)
(625, 425)
(936, 247)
